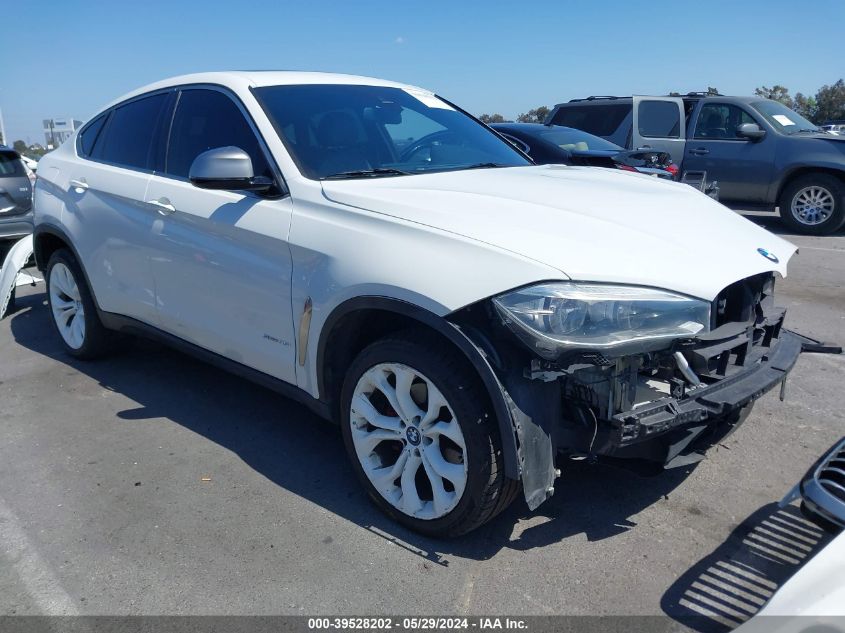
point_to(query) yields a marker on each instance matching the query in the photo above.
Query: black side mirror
(750, 131)
(226, 168)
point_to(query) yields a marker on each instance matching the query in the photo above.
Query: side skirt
(120, 323)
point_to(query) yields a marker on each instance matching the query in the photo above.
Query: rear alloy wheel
(66, 304)
(813, 204)
(415, 426)
(72, 308)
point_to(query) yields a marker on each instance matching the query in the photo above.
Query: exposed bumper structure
(708, 402)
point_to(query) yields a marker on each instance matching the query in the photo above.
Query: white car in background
(372, 250)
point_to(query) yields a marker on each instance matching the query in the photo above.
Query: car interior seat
(337, 133)
(712, 125)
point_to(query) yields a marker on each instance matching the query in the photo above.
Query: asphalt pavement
(150, 483)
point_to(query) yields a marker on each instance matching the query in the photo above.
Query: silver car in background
(15, 196)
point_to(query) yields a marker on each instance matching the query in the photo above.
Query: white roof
(239, 80)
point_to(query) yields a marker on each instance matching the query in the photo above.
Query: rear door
(659, 125)
(104, 207)
(743, 168)
(222, 267)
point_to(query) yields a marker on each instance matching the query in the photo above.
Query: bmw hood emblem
(770, 256)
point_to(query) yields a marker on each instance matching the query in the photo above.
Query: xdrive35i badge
(770, 256)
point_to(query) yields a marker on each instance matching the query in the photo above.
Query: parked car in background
(547, 144)
(31, 167)
(834, 127)
(763, 155)
(365, 247)
(15, 196)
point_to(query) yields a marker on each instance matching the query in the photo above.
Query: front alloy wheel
(813, 204)
(416, 424)
(408, 441)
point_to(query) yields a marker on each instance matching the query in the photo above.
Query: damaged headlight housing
(553, 318)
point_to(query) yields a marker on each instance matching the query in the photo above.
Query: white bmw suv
(368, 248)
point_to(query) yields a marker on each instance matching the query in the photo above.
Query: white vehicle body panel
(222, 273)
(591, 224)
(438, 241)
(10, 269)
(812, 600)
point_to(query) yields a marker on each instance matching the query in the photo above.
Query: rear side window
(11, 165)
(206, 119)
(601, 120)
(659, 119)
(128, 138)
(88, 136)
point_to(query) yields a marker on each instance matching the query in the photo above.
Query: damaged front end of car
(639, 377)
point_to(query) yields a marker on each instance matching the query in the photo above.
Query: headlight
(614, 320)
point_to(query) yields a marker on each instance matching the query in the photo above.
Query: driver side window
(720, 121)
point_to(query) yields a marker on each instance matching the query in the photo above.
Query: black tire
(487, 492)
(830, 184)
(97, 341)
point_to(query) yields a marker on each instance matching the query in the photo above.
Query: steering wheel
(425, 142)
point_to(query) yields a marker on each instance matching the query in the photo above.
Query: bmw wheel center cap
(413, 435)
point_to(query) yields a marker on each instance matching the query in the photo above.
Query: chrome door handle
(163, 206)
(78, 183)
(699, 151)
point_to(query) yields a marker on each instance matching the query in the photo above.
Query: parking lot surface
(150, 483)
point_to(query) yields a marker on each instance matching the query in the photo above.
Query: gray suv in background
(762, 154)
(15, 196)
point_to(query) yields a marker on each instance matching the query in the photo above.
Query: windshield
(353, 131)
(782, 118)
(577, 140)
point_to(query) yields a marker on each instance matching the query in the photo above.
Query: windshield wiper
(367, 173)
(809, 130)
(484, 166)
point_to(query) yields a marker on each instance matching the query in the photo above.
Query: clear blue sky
(72, 57)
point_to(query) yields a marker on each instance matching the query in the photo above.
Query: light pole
(3, 128)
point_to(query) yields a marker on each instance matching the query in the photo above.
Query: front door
(742, 167)
(222, 269)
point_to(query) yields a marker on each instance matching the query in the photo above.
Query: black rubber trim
(454, 334)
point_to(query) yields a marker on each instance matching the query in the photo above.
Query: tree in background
(491, 118)
(805, 106)
(827, 105)
(830, 102)
(537, 115)
(775, 93)
(20, 147)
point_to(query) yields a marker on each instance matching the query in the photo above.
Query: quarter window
(207, 119)
(128, 138)
(720, 121)
(659, 119)
(88, 136)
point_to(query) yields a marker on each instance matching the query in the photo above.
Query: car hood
(591, 224)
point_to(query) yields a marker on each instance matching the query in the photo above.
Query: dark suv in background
(15, 196)
(762, 154)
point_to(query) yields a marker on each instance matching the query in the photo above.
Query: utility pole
(52, 135)
(3, 128)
